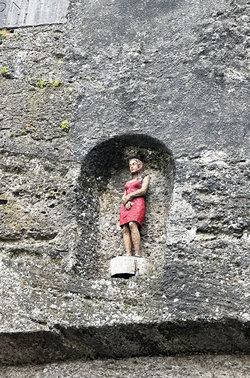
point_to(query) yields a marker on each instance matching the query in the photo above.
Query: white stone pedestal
(128, 266)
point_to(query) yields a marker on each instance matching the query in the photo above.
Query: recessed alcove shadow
(103, 176)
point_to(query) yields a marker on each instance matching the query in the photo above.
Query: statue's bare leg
(127, 240)
(136, 237)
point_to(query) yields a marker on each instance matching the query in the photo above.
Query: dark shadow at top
(109, 156)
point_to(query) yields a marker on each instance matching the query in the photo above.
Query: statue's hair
(141, 174)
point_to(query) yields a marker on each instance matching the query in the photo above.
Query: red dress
(137, 211)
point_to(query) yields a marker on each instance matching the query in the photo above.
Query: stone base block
(128, 266)
(122, 266)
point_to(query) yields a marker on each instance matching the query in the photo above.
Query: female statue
(133, 207)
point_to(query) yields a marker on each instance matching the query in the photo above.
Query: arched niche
(103, 176)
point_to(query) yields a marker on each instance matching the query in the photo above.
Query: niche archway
(103, 175)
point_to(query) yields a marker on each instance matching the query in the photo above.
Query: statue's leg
(136, 237)
(127, 240)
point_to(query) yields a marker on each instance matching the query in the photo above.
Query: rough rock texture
(165, 80)
(172, 367)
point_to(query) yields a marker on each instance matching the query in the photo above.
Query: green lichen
(57, 260)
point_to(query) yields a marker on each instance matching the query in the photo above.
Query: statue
(133, 207)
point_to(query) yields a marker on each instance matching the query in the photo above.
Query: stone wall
(173, 75)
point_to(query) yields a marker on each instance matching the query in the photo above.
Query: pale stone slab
(127, 266)
(143, 266)
(122, 266)
(15, 13)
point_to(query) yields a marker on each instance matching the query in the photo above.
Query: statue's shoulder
(146, 176)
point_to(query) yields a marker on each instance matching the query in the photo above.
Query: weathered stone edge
(227, 336)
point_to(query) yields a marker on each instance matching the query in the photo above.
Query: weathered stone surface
(171, 367)
(172, 77)
(143, 266)
(32, 12)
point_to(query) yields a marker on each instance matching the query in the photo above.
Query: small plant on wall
(56, 83)
(3, 33)
(42, 84)
(5, 72)
(65, 126)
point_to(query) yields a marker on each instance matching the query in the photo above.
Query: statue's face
(133, 166)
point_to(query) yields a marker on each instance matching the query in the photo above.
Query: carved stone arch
(103, 176)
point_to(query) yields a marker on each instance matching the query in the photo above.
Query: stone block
(122, 266)
(32, 12)
(128, 266)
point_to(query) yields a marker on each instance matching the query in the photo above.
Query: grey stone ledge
(125, 340)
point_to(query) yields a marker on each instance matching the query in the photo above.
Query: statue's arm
(124, 198)
(140, 192)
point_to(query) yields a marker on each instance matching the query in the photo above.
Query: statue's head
(136, 166)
